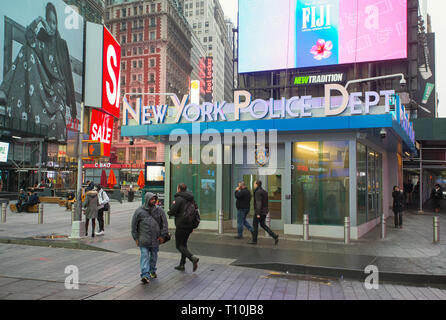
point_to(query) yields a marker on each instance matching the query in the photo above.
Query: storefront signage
(113, 166)
(208, 79)
(319, 79)
(101, 129)
(102, 71)
(295, 107)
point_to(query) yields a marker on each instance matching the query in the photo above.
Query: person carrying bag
(104, 205)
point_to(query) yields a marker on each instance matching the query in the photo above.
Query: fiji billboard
(288, 34)
(41, 65)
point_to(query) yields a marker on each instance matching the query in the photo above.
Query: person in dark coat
(184, 228)
(91, 210)
(398, 206)
(260, 213)
(437, 195)
(149, 227)
(33, 199)
(242, 204)
(23, 198)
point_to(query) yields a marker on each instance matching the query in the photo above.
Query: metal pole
(40, 215)
(436, 229)
(347, 230)
(268, 222)
(76, 227)
(306, 226)
(421, 179)
(107, 216)
(220, 221)
(3, 212)
(383, 226)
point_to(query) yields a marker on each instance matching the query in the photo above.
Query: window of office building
(152, 35)
(152, 49)
(200, 180)
(369, 183)
(320, 182)
(151, 154)
(152, 63)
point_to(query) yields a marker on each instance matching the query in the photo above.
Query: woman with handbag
(90, 206)
(104, 205)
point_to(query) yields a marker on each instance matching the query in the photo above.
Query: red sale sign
(101, 129)
(111, 74)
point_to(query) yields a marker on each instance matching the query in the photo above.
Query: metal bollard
(268, 222)
(346, 230)
(107, 217)
(306, 226)
(40, 215)
(436, 229)
(73, 212)
(220, 222)
(383, 226)
(3, 212)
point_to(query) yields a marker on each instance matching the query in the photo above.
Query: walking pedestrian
(104, 205)
(242, 204)
(91, 210)
(260, 213)
(437, 195)
(398, 206)
(149, 229)
(184, 228)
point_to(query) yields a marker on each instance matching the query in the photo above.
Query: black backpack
(192, 214)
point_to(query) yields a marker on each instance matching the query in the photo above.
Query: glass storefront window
(201, 181)
(369, 184)
(361, 178)
(320, 182)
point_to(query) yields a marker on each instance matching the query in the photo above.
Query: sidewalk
(405, 256)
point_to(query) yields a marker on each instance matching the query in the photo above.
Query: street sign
(95, 149)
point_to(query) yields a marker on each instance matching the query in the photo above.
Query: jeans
(149, 256)
(181, 237)
(256, 222)
(101, 219)
(241, 221)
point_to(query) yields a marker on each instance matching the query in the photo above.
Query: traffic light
(95, 149)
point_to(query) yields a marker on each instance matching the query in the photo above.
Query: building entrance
(273, 185)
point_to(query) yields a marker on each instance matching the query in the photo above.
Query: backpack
(192, 214)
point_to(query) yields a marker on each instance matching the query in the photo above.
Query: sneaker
(276, 240)
(92, 235)
(100, 233)
(145, 280)
(153, 275)
(180, 267)
(195, 262)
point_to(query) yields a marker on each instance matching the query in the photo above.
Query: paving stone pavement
(38, 273)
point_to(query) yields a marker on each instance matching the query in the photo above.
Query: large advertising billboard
(41, 65)
(426, 94)
(288, 34)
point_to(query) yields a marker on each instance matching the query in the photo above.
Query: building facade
(156, 58)
(207, 20)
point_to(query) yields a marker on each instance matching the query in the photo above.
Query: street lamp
(397, 75)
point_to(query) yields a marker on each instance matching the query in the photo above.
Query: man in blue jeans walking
(242, 204)
(149, 227)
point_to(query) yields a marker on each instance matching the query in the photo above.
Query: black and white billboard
(426, 78)
(41, 65)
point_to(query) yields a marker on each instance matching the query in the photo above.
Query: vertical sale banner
(101, 129)
(111, 74)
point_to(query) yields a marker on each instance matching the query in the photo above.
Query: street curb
(353, 274)
(64, 244)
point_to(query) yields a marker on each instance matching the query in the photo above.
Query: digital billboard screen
(41, 64)
(288, 34)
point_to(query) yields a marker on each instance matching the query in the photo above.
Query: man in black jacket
(242, 203)
(183, 227)
(260, 213)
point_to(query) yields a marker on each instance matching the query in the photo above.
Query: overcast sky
(436, 8)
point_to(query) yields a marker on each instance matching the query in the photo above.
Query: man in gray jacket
(149, 227)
